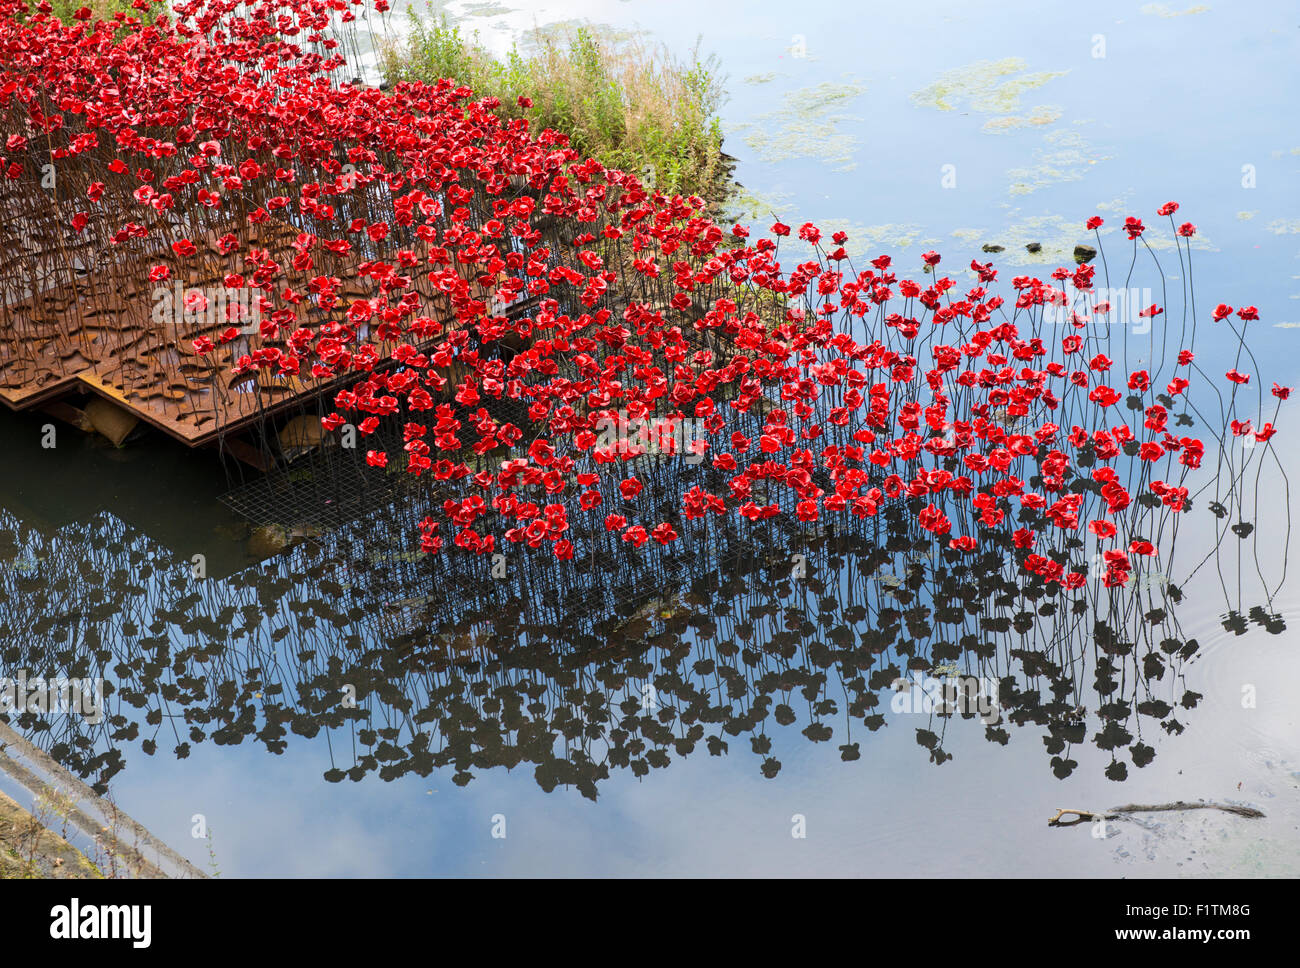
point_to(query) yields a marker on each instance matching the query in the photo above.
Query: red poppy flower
(1102, 529)
(934, 520)
(809, 233)
(1105, 396)
(664, 533)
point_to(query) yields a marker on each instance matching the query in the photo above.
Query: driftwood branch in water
(1116, 813)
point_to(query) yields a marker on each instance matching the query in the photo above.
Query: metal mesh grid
(330, 485)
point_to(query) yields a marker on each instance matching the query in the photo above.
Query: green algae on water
(1164, 10)
(807, 125)
(987, 87)
(1043, 114)
(865, 241)
(1064, 157)
(487, 9)
(1056, 236)
(745, 205)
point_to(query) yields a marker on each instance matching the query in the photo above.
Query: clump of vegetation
(99, 9)
(30, 845)
(628, 104)
(212, 857)
(65, 12)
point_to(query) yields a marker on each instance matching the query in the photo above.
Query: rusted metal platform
(113, 340)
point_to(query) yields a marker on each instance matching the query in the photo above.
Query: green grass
(100, 10)
(628, 104)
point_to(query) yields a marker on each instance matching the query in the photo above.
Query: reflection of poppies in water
(616, 660)
(589, 597)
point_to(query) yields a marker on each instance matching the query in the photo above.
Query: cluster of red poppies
(507, 269)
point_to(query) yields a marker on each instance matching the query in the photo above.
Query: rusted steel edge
(112, 817)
